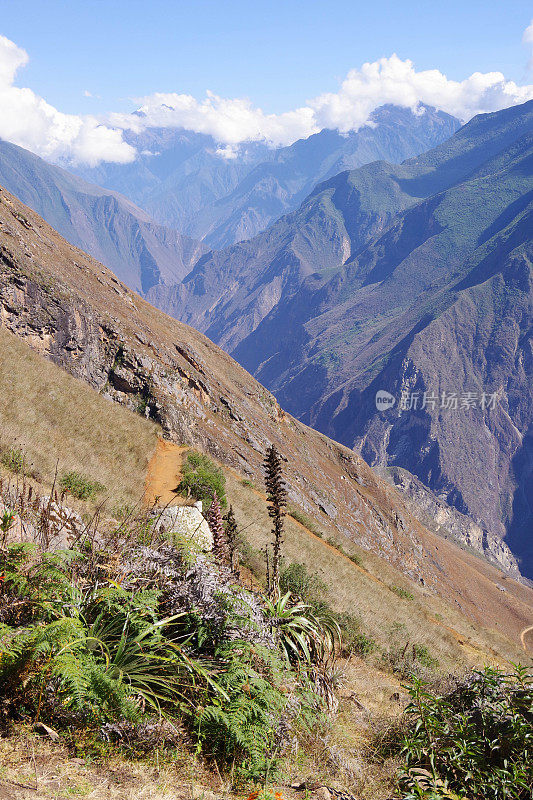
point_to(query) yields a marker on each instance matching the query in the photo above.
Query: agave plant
(303, 635)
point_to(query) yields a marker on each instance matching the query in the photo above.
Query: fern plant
(242, 727)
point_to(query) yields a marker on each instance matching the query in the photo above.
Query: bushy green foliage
(296, 578)
(303, 635)
(352, 556)
(80, 486)
(7, 520)
(13, 460)
(201, 478)
(475, 741)
(242, 727)
(87, 643)
(305, 520)
(407, 658)
(102, 648)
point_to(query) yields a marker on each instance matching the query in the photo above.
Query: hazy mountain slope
(441, 302)
(74, 311)
(230, 291)
(281, 183)
(99, 221)
(183, 181)
(177, 173)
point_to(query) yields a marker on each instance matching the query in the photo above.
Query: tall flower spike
(216, 526)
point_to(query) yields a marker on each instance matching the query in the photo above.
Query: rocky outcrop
(185, 521)
(449, 522)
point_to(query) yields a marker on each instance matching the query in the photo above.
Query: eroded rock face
(447, 521)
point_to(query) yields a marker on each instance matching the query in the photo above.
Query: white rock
(187, 521)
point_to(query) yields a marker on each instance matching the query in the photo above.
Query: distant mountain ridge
(181, 179)
(99, 221)
(414, 277)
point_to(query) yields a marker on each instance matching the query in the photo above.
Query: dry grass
(365, 591)
(36, 767)
(53, 417)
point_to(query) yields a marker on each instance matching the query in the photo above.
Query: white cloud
(387, 80)
(391, 80)
(31, 122)
(228, 121)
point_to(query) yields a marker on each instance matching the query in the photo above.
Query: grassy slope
(53, 417)
(366, 591)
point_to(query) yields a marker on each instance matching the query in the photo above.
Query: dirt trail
(164, 473)
(523, 637)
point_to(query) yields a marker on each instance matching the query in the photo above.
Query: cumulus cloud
(29, 121)
(387, 80)
(391, 80)
(228, 121)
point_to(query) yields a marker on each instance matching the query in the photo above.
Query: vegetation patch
(305, 520)
(354, 557)
(202, 478)
(401, 592)
(473, 739)
(13, 460)
(80, 486)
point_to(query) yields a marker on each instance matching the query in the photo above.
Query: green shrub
(475, 740)
(409, 659)
(354, 640)
(403, 593)
(240, 730)
(201, 478)
(303, 635)
(352, 556)
(424, 657)
(296, 579)
(13, 460)
(79, 652)
(247, 482)
(80, 486)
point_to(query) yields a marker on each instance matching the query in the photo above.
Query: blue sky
(277, 53)
(73, 71)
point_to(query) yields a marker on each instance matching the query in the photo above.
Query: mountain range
(99, 221)
(219, 195)
(418, 279)
(411, 278)
(72, 311)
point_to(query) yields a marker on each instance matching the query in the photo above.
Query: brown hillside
(74, 311)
